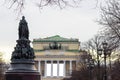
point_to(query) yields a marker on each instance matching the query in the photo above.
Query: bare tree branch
(110, 19)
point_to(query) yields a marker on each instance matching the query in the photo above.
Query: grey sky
(70, 23)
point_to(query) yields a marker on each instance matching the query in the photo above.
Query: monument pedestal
(22, 70)
(22, 76)
(22, 60)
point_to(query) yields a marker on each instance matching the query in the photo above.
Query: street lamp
(109, 55)
(105, 51)
(99, 53)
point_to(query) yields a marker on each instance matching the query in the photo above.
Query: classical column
(64, 68)
(57, 68)
(39, 66)
(70, 67)
(51, 68)
(45, 69)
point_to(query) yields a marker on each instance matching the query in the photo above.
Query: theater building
(56, 57)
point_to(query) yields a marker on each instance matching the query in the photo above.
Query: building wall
(64, 45)
(40, 45)
(68, 54)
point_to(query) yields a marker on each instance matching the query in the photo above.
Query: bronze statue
(23, 29)
(23, 49)
(22, 66)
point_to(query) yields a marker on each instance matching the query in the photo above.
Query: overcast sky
(70, 23)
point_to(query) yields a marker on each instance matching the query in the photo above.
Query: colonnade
(58, 62)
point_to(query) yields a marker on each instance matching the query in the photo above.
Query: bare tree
(82, 72)
(93, 44)
(92, 47)
(1, 67)
(19, 5)
(110, 19)
(115, 71)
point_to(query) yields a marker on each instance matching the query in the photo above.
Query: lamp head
(109, 52)
(104, 44)
(99, 52)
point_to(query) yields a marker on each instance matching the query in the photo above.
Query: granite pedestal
(22, 70)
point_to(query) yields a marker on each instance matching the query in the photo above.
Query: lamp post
(105, 51)
(98, 63)
(109, 55)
